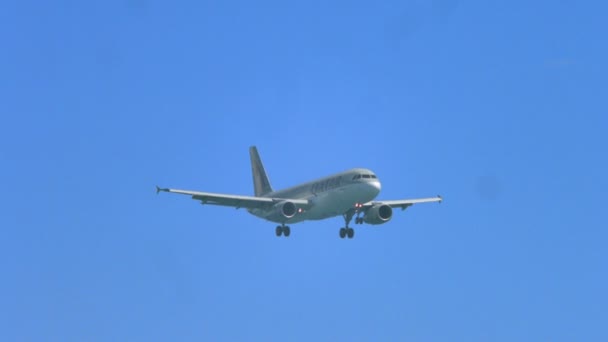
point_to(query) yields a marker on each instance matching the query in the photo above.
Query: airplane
(348, 194)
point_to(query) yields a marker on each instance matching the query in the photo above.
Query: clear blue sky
(500, 107)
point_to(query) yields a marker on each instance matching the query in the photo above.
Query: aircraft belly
(338, 202)
(328, 204)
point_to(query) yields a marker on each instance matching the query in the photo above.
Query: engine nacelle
(378, 214)
(283, 211)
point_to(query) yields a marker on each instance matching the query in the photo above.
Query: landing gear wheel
(286, 231)
(348, 216)
(279, 230)
(350, 232)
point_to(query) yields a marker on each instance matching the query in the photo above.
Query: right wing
(403, 204)
(236, 201)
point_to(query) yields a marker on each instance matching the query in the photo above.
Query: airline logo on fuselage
(328, 184)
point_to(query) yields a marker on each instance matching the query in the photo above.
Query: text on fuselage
(326, 185)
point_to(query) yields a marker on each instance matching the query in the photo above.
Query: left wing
(403, 204)
(236, 201)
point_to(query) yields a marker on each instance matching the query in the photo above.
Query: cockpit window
(366, 176)
(356, 177)
(374, 176)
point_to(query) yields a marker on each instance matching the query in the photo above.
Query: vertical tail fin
(261, 184)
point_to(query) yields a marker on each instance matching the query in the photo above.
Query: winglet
(159, 189)
(440, 198)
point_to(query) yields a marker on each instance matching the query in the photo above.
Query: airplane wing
(403, 204)
(236, 201)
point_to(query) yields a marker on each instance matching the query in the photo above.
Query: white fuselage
(330, 196)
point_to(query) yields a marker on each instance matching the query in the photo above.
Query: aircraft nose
(376, 186)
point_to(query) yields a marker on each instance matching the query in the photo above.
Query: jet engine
(378, 214)
(282, 211)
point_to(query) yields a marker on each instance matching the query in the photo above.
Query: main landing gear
(346, 231)
(348, 216)
(283, 230)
